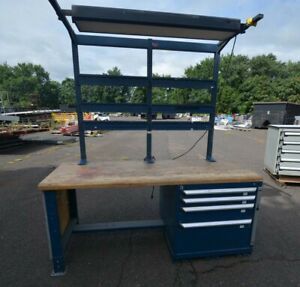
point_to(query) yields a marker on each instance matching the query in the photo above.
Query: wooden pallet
(289, 179)
(242, 129)
(284, 179)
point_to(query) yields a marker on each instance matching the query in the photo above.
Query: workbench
(206, 208)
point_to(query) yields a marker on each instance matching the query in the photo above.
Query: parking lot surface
(140, 258)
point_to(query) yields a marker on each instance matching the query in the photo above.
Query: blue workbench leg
(54, 234)
(73, 205)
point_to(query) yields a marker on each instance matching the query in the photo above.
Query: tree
(242, 81)
(67, 92)
(28, 85)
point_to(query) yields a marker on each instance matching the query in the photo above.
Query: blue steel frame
(148, 82)
(58, 241)
(169, 219)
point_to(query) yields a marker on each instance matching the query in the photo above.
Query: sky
(31, 32)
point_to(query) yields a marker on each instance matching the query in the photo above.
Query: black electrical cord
(152, 193)
(226, 71)
(201, 137)
(195, 143)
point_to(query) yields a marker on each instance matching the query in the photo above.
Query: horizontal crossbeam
(142, 125)
(103, 80)
(134, 81)
(104, 41)
(142, 108)
(183, 83)
(110, 226)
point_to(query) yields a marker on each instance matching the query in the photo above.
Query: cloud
(30, 32)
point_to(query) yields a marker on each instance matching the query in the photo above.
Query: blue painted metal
(149, 157)
(183, 83)
(184, 46)
(83, 159)
(104, 41)
(64, 20)
(117, 42)
(226, 29)
(142, 108)
(150, 23)
(214, 92)
(105, 80)
(143, 125)
(116, 226)
(134, 81)
(206, 241)
(54, 233)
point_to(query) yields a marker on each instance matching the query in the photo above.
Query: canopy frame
(135, 22)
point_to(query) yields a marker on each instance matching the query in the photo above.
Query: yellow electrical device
(252, 21)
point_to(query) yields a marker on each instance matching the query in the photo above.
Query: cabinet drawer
(225, 191)
(218, 207)
(215, 213)
(291, 140)
(241, 223)
(290, 157)
(212, 238)
(218, 199)
(293, 166)
(290, 149)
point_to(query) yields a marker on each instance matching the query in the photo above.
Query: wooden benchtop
(109, 174)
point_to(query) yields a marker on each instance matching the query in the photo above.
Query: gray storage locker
(282, 155)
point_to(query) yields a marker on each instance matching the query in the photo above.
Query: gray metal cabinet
(282, 154)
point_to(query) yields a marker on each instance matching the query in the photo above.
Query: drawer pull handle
(293, 143)
(216, 223)
(291, 134)
(218, 207)
(219, 190)
(290, 159)
(290, 151)
(289, 168)
(218, 199)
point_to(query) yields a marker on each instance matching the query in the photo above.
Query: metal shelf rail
(146, 23)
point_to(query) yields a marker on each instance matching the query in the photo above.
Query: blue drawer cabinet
(210, 220)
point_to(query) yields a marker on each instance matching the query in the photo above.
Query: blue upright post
(149, 158)
(55, 238)
(83, 159)
(214, 91)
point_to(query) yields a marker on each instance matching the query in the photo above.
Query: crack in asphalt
(232, 265)
(130, 248)
(177, 278)
(190, 277)
(194, 273)
(181, 279)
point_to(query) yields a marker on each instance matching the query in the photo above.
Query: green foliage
(242, 81)
(28, 86)
(67, 92)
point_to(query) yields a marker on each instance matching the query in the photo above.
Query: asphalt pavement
(139, 258)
